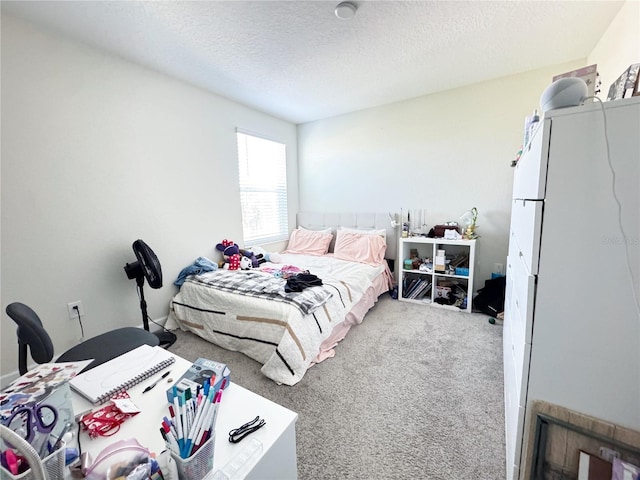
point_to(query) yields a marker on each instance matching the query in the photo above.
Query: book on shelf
(415, 288)
(419, 289)
(423, 291)
(409, 285)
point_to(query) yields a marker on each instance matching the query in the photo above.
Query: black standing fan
(148, 266)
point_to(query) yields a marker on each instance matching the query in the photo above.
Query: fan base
(166, 338)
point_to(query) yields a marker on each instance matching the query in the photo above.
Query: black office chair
(102, 348)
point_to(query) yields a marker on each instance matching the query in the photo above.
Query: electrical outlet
(73, 313)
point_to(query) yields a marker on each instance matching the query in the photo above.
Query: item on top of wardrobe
(564, 92)
(589, 74)
(626, 85)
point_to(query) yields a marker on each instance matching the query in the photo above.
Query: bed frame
(368, 221)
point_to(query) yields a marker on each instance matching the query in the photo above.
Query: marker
(177, 411)
(197, 423)
(206, 425)
(201, 426)
(215, 412)
(171, 441)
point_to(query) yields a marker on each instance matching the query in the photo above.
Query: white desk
(238, 406)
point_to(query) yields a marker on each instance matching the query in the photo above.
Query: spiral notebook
(101, 383)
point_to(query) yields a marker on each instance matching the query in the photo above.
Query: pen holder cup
(53, 466)
(198, 465)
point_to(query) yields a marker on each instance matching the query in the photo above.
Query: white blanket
(276, 334)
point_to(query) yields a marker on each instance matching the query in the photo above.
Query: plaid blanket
(257, 284)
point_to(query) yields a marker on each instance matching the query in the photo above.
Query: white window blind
(263, 189)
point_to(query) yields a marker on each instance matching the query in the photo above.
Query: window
(263, 189)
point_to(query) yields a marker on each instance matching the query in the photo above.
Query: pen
(58, 443)
(164, 375)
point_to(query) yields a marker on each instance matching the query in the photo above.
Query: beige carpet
(414, 392)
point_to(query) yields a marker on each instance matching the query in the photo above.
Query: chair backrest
(31, 333)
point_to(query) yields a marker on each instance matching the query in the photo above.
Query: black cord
(78, 438)
(625, 239)
(79, 320)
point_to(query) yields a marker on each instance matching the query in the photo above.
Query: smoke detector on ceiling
(345, 10)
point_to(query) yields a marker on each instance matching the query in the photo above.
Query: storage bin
(53, 467)
(198, 465)
(462, 271)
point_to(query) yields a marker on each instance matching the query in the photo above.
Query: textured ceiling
(298, 61)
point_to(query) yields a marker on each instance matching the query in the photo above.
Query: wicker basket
(53, 467)
(198, 465)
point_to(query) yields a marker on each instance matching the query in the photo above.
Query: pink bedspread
(381, 284)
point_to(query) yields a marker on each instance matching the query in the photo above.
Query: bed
(250, 312)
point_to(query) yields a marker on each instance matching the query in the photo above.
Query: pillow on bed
(382, 232)
(321, 230)
(309, 242)
(360, 247)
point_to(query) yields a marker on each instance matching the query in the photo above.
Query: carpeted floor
(414, 392)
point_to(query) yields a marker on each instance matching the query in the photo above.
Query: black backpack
(490, 298)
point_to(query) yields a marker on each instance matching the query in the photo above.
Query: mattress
(279, 334)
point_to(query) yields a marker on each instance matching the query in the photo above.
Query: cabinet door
(530, 173)
(513, 411)
(526, 226)
(521, 292)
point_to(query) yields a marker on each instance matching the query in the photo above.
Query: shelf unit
(437, 284)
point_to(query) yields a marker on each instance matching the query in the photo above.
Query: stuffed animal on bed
(245, 263)
(255, 259)
(231, 254)
(263, 256)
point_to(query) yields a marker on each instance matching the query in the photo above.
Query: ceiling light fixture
(345, 10)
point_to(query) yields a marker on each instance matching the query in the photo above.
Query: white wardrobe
(572, 319)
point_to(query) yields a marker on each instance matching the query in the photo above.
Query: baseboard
(156, 328)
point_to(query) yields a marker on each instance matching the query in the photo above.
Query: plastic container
(530, 123)
(198, 465)
(123, 452)
(53, 466)
(240, 464)
(462, 271)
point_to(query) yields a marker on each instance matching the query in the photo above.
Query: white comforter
(284, 340)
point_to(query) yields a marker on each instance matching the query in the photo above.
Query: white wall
(444, 153)
(619, 47)
(96, 153)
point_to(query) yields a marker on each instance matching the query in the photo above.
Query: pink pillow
(359, 247)
(308, 242)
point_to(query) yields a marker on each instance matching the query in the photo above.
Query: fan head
(147, 266)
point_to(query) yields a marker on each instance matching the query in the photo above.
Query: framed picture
(589, 74)
(636, 86)
(626, 84)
